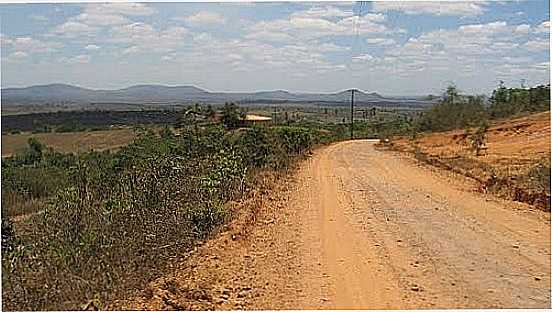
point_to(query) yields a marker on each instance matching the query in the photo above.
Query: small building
(251, 120)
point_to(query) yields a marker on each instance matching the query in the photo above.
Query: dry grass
(513, 144)
(17, 205)
(70, 141)
(514, 148)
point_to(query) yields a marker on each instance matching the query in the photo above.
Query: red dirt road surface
(361, 228)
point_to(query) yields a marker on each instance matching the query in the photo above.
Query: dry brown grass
(70, 141)
(511, 145)
(17, 205)
(514, 147)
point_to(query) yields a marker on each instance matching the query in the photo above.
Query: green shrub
(511, 101)
(539, 177)
(231, 116)
(69, 126)
(8, 236)
(295, 140)
(115, 218)
(478, 139)
(452, 112)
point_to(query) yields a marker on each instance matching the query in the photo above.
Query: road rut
(379, 231)
(361, 228)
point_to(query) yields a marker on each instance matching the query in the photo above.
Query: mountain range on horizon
(150, 93)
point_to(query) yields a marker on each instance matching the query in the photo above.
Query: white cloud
(131, 50)
(484, 29)
(301, 28)
(329, 47)
(97, 19)
(364, 25)
(146, 39)
(522, 29)
(363, 57)
(120, 8)
(380, 41)
(30, 45)
(92, 47)
(73, 29)
(79, 59)
(205, 18)
(39, 18)
(97, 15)
(5, 40)
(463, 48)
(542, 66)
(376, 18)
(322, 12)
(537, 45)
(270, 36)
(446, 8)
(17, 56)
(281, 51)
(256, 56)
(517, 59)
(544, 27)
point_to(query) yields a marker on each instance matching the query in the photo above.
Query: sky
(393, 48)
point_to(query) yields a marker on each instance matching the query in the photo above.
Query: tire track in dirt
(412, 238)
(359, 228)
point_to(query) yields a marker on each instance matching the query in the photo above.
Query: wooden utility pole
(352, 111)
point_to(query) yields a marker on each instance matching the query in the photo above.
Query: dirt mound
(515, 149)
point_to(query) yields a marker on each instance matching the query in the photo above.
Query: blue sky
(393, 48)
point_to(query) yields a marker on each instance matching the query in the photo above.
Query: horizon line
(211, 91)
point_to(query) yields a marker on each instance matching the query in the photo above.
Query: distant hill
(141, 94)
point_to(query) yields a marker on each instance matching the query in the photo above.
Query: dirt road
(386, 233)
(365, 228)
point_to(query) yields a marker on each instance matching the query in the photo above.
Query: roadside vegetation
(97, 222)
(83, 225)
(501, 142)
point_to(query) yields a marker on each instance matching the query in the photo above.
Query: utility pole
(352, 111)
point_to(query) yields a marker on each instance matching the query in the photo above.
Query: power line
(352, 111)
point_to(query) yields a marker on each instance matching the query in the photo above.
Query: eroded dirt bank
(362, 228)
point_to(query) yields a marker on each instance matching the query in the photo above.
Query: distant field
(27, 108)
(90, 119)
(70, 141)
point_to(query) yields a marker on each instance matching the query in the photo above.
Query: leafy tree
(478, 139)
(166, 133)
(450, 95)
(511, 101)
(231, 116)
(35, 150)
(210, 112)
(453, 111)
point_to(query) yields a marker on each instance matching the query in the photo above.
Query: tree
(453, 111)
(166, 133)
(511, 101)
(502, 101)
(478, 139)
(231, 116)
(210, 112)
(451, 94)
(35, 150)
